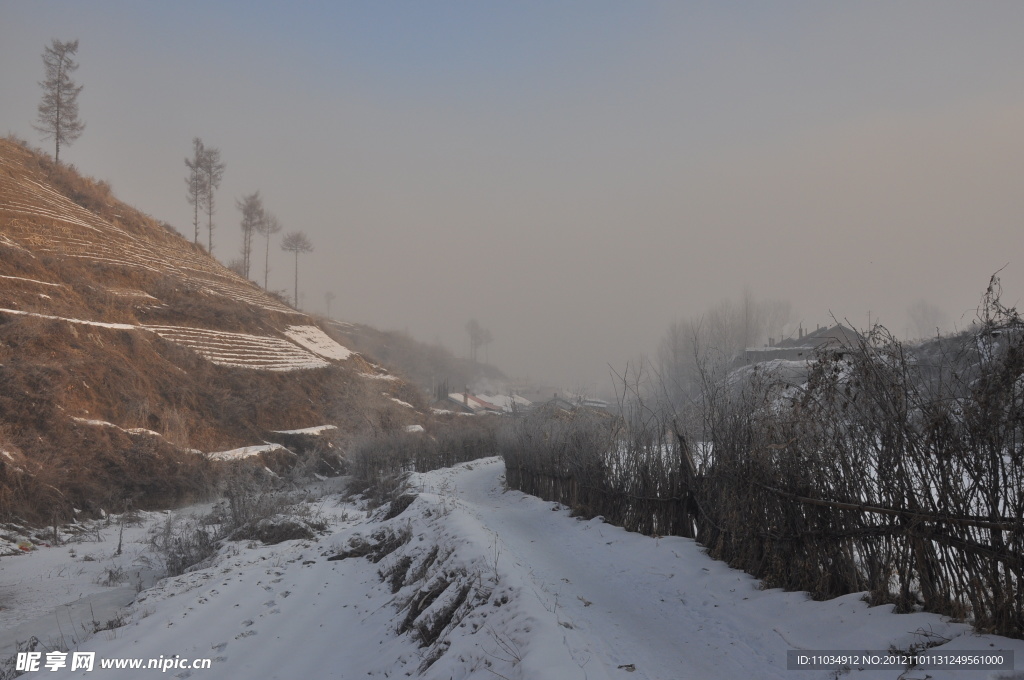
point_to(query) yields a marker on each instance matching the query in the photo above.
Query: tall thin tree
(297, 242)
(478, 337)
(252, 214)
(195, 183)
(58, 111)
(213, 172)
(329, 298)
(268, 226)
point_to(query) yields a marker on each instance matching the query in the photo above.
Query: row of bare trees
(892, 470)
(205, 171)
(58, 120)
(256, 219)
(714, 339)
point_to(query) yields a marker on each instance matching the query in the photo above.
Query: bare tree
(926, 319)
(485, 340)
(252, 214)
(478, 337)
(58, 111)
(195, 183)
(268, 226)
(213, 172)
(714, 341)
(329, 298)
(297, 242)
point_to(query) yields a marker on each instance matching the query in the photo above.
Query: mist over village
(519, 340)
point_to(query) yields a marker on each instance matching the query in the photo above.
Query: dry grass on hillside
(92, 415)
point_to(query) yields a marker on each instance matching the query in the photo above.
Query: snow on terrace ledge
(308, 430)
(241, 350)
(244, 452)
(237, 350)
(104, 423)
(318, 342)
(101, 324)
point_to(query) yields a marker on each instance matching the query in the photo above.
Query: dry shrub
(379, 463)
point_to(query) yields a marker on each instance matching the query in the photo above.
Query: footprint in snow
(219, 647)
(245, 634)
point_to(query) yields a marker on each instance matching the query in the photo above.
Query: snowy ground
(485, 583)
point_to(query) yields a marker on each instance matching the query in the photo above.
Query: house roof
(837, 334)
(504, 402)
(473, 402)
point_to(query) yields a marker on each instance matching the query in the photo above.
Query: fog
(574, 175)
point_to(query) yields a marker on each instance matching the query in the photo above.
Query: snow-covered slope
(472, 581)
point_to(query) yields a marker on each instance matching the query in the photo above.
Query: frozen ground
(481, 582)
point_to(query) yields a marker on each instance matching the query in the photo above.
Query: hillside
(127, 353)
(425, 365)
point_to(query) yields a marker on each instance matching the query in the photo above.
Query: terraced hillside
(129, 357)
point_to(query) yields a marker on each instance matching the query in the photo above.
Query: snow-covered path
(544, 596)
(631, 602)
(661, 609)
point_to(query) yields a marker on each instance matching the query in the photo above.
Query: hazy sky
(575, 175)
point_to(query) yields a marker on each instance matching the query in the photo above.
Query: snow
(127, 292)
(237, 350)
(318, 342)
(51, 591)
(91, 421)
(505, 402)
(115, 326)
(550, 597)
(104, 423)
(319, 429)
(41, 283)
(142, 430)
(379, 376)
(245, 452)
(241, 350)
(414, 428)
(402, 403)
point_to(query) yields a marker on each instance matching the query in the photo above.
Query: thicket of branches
(623, 469)
(380, 462)
(893, 471)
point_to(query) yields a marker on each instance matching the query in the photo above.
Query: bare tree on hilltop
(329, 298)
(58, 111)
(213, 172)
(297, 242)
(252, 215)
(205, 170)
(268, 226)
(195, 183)
(478, 337)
